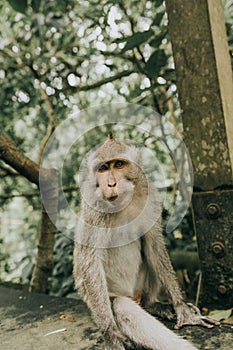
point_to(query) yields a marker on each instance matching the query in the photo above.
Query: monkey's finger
(210, 321)
(180, 323)
(204, 318)
(197, 321)
(206, 324)
(116, 347)
(128, 343)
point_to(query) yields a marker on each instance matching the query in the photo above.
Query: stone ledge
(26, 319)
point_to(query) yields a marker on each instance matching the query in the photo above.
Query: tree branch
(132, 27)
(105, 81)
(17, 160)
(37, 194)
(51, 126)
(7, 171)
(170, 106)
(18, 195)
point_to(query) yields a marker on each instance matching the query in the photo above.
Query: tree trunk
(44, 263)
(204, 82)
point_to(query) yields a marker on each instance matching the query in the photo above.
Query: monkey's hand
(165, 311)
(114, 339)
(114, 346)
(189, 315)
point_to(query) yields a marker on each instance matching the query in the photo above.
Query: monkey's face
(113, 187)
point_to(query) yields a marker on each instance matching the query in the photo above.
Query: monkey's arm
(160, 265)
(91, 282)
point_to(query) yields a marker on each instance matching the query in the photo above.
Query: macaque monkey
(121, 261)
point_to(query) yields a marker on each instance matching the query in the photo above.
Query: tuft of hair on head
(111, 136)
(112, 149)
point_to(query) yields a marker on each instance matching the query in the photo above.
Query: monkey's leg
(145, 330)
(90, 280)
(159, 263)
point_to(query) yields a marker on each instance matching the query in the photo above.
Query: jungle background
(56, 59)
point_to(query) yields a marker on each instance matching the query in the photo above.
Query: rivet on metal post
(213, 210)
(222, 289)
(218, 249)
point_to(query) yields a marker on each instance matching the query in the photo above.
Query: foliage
(228, 7)
(61, 281)
(4, 266)
(60, 57)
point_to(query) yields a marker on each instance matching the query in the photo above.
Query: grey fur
(109, 278)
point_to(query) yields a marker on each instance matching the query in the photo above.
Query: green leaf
(156, 41)
(137, 39)
(159, 2)
(158, 18)
(157, 60)
(35, 5)
(19, 5)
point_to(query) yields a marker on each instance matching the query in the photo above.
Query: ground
(26, 319)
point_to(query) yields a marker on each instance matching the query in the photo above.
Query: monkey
(120, 259)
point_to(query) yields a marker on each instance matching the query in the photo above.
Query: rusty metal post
(204, 81)
(213, 213)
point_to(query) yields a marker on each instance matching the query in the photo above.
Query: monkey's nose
(112, 184)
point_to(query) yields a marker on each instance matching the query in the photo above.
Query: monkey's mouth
(114, 202)
(112, 198)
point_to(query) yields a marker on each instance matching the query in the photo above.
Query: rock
(31, 321)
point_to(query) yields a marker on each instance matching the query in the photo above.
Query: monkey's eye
(119, 164)
(103, 167)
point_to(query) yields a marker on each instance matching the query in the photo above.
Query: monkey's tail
(144, 329)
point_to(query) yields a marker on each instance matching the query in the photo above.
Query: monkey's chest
(123, 267)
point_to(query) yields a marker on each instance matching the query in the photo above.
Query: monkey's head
(114, 172)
